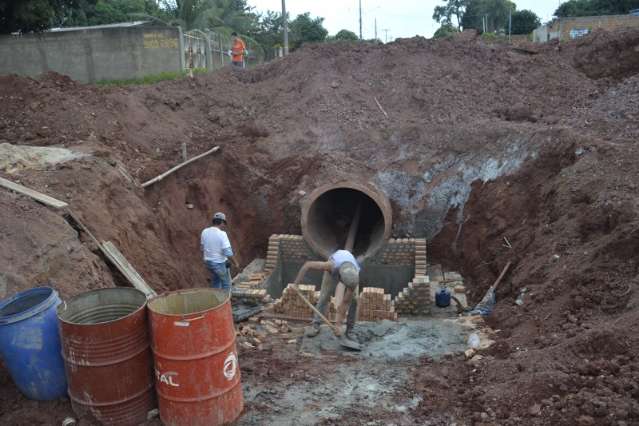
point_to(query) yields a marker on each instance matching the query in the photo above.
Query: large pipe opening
(330, 213)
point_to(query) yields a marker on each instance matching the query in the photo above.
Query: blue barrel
(442, 297)
(30, 343)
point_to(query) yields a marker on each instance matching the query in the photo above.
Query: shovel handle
(322, 317)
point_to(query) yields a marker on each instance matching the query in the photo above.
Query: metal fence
(209, 50)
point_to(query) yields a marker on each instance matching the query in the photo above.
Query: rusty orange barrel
(197, 374)
(106, 350)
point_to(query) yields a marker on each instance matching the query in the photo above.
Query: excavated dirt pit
(544, 175)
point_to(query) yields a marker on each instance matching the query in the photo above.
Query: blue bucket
(30, 343)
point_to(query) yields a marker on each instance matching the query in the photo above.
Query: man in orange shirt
(238, 50)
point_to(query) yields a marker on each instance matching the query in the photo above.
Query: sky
(402, 18)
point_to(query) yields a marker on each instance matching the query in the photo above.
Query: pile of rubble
(255, 332)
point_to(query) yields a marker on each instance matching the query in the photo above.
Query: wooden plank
(179, 166)
(123, 265)
(38, 196)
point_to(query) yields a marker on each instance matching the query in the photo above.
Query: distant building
(570, 28)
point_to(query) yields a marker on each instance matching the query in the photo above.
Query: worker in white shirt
(217, 251)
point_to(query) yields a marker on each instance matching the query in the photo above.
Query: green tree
(346, 35)
(34, 15)
(222, 15)
(524, 22)
(573, 8)
(444, 14)
(305, 29)
(495, 11)
(269, 29)
(446, 30)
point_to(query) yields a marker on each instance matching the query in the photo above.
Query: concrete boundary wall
(93, 54)
(570, 28)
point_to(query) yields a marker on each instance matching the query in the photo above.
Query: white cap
(219, 215)
(349, 275)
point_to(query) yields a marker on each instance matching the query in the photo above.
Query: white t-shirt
(341, 256)
(213, 242)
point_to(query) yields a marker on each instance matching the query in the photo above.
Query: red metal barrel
(108, 361)
(196, 366)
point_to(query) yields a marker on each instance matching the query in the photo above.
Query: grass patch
(150, 79)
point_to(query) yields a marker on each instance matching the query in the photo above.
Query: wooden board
(123, 265)
(38, 196)
(179, 166)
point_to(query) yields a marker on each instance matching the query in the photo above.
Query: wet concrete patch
(333, 385)
(397, 340)
(338, 390)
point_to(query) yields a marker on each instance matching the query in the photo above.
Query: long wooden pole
(310, 305)
(352, 232)
(178, 167)
(503, 272)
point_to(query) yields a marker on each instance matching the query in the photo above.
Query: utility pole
(386, 30)
(360, 20)
(285, 22)
(510, 23)
(375, 29)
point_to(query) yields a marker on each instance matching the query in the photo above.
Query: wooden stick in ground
(380, 107)
(503, 272)
(310, 305)
(178, 167)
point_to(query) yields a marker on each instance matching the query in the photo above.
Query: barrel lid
(26, 304)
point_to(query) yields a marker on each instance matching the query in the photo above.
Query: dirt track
(533, 146)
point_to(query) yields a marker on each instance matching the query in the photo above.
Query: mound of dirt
(605, 54)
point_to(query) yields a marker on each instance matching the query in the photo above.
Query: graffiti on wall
(157, 40)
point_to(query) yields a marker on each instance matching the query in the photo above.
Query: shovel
(343, 341)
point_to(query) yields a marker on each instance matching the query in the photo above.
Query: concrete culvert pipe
(329, 211)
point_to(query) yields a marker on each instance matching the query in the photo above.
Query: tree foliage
(524, 22)
(446, 30)
(453, 8)
(346, 35)
(305, 29)
(495, 11)
(35, 15)
(573, 8)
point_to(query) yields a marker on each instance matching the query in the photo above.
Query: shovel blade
(349, 344)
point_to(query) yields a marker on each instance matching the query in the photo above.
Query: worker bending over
(340, 267)
(216, 250)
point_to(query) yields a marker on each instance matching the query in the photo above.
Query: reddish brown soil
(570, 212)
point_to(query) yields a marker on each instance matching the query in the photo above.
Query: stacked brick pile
(272, 254)
(291, 305)
(252, 289)
(400, 251)
(374, 305)
(415, 299)
(251, 294)
(420, 257)
(293, 247)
